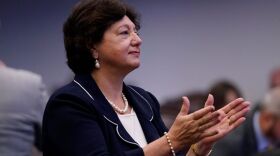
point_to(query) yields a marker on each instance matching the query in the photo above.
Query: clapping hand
(230, 117)
(188, 129)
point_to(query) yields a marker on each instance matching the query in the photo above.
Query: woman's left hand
(231, 116)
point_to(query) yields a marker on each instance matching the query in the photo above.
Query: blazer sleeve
(72, 128)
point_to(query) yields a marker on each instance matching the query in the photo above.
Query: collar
(139, 103)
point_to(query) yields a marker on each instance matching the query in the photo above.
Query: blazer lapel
(87, 83)
(144, 111)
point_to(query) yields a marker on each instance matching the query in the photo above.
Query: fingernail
(240, 99)
(247, 102)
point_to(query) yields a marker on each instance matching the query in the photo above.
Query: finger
(222, 129)
(219, 135)
(237, 123)
(200, 113)
(212, 139)
(222, 114)
(208, 125)
(238, 115)
(208, 134)
(209, 101)
(238, 108)
(185, 106)
(207, 118)
(232, 104)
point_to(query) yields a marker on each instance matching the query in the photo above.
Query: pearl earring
(97, 64)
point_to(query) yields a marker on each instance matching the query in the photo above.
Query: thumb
(185, 106)
(209, 101)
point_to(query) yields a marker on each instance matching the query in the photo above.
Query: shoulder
(66, 96)
(68, 103)
(24, 83)
(69, 92)
(29, 75)
(20, 75)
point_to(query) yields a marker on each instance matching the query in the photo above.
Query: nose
(136, 40)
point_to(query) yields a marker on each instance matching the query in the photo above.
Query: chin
(133, 67)
(135, 64)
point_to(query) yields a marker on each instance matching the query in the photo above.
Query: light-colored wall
(187, 44)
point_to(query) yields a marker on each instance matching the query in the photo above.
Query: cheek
(120, 48)
(114, 50)
(230, 96)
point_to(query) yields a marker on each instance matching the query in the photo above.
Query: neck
(110, 83)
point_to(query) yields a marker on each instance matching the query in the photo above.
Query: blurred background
(189, 47)
(187, 44)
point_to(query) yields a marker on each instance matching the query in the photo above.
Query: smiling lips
(136, 53)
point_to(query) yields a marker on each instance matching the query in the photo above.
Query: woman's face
(230, 96)
(120, 47)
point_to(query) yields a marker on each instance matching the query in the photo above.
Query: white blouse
(133, 127)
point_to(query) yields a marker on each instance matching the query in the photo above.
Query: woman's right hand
(187, 129)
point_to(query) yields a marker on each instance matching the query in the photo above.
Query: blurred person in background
(22, 101)
(272, 152)
(274, 81)
(260, 133)
(275, 78)
(224, 91)
(98, 114)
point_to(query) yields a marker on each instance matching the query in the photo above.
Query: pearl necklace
(116, 108)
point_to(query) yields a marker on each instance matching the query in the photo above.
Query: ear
(94, 53)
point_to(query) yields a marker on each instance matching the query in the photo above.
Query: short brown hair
(85, 27)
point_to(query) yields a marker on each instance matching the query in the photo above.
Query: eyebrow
(127, 26)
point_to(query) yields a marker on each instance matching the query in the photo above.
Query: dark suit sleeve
(72, 128)
(230, 145)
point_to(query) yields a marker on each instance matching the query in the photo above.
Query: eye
(124, 32)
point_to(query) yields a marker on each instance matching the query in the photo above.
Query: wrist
(201, 150)
(177, 145)
(170, 143)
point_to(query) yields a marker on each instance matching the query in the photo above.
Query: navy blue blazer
(78, 121)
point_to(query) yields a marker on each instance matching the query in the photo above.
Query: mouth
(134, 52)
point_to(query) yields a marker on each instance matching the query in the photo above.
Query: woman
(97, 114)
